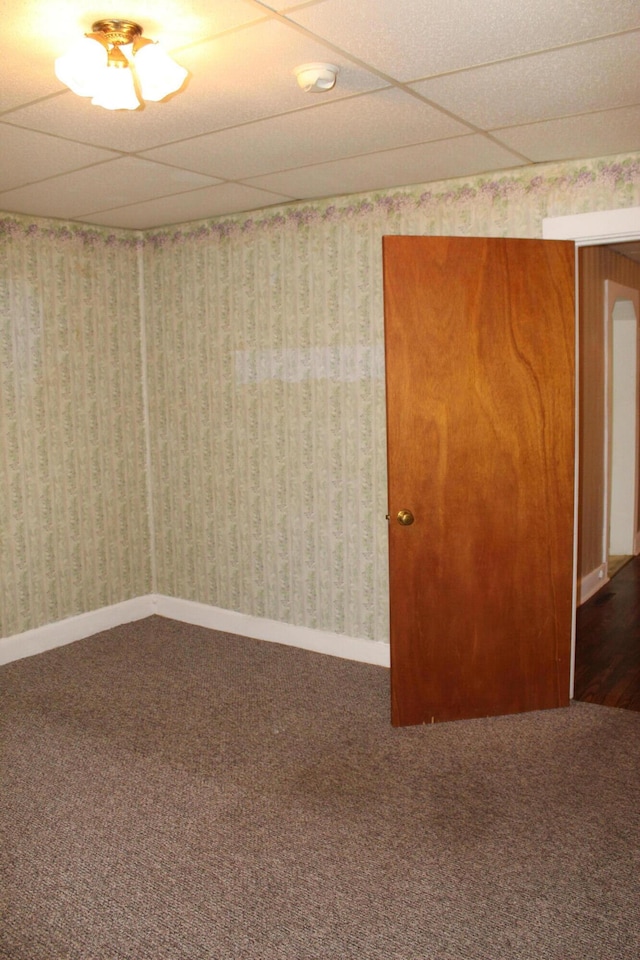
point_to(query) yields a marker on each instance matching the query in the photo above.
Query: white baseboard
(591, 582)
(73, 628)
(228, 621)
(199, 614)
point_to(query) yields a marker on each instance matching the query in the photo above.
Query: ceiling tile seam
(472, 127)
(255, 120)
(63, 139)
(31, 103)
(562, 117)
(100, 163)
(476, 129)
(246, 181)
(170, 196)
(303, 5)
(492, 138)
(521, 56)
(230, 31)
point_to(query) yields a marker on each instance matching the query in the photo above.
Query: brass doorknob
(405, 517)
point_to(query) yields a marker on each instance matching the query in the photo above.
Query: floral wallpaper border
(20, 226)
(566, 177)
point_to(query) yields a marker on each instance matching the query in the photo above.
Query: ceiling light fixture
(119, 68)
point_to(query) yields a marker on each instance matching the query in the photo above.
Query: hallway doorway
(620, 231)
(622, 312)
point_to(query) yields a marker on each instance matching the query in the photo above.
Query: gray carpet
(170, 792)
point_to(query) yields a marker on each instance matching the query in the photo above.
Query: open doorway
(622, 310)
(607, 648)
(609, 299)
(597, 235)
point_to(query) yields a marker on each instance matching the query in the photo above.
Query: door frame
(587, 230)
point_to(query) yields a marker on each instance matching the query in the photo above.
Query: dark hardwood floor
(608, 642)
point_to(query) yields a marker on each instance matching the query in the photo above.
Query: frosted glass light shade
(81, 65)
(115, 90)
(119, 68)
(158, 75)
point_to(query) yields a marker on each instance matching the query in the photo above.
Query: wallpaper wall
(264, 372)
(73, 510)
(266, 384)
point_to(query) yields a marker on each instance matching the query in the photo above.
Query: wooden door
(480, 350)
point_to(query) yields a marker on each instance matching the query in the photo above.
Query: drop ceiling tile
(420, 163)
(216, 201)
(26, 156)
(177, 25)
(19, 86)
(605, 133)
(593, 76)
(102, 187)
(328, 131)
(236, 78)
(27, 54)
(411, 39)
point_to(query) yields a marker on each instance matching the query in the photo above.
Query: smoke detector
(316, 77)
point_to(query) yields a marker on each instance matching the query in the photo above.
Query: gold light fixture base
(117, 32)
